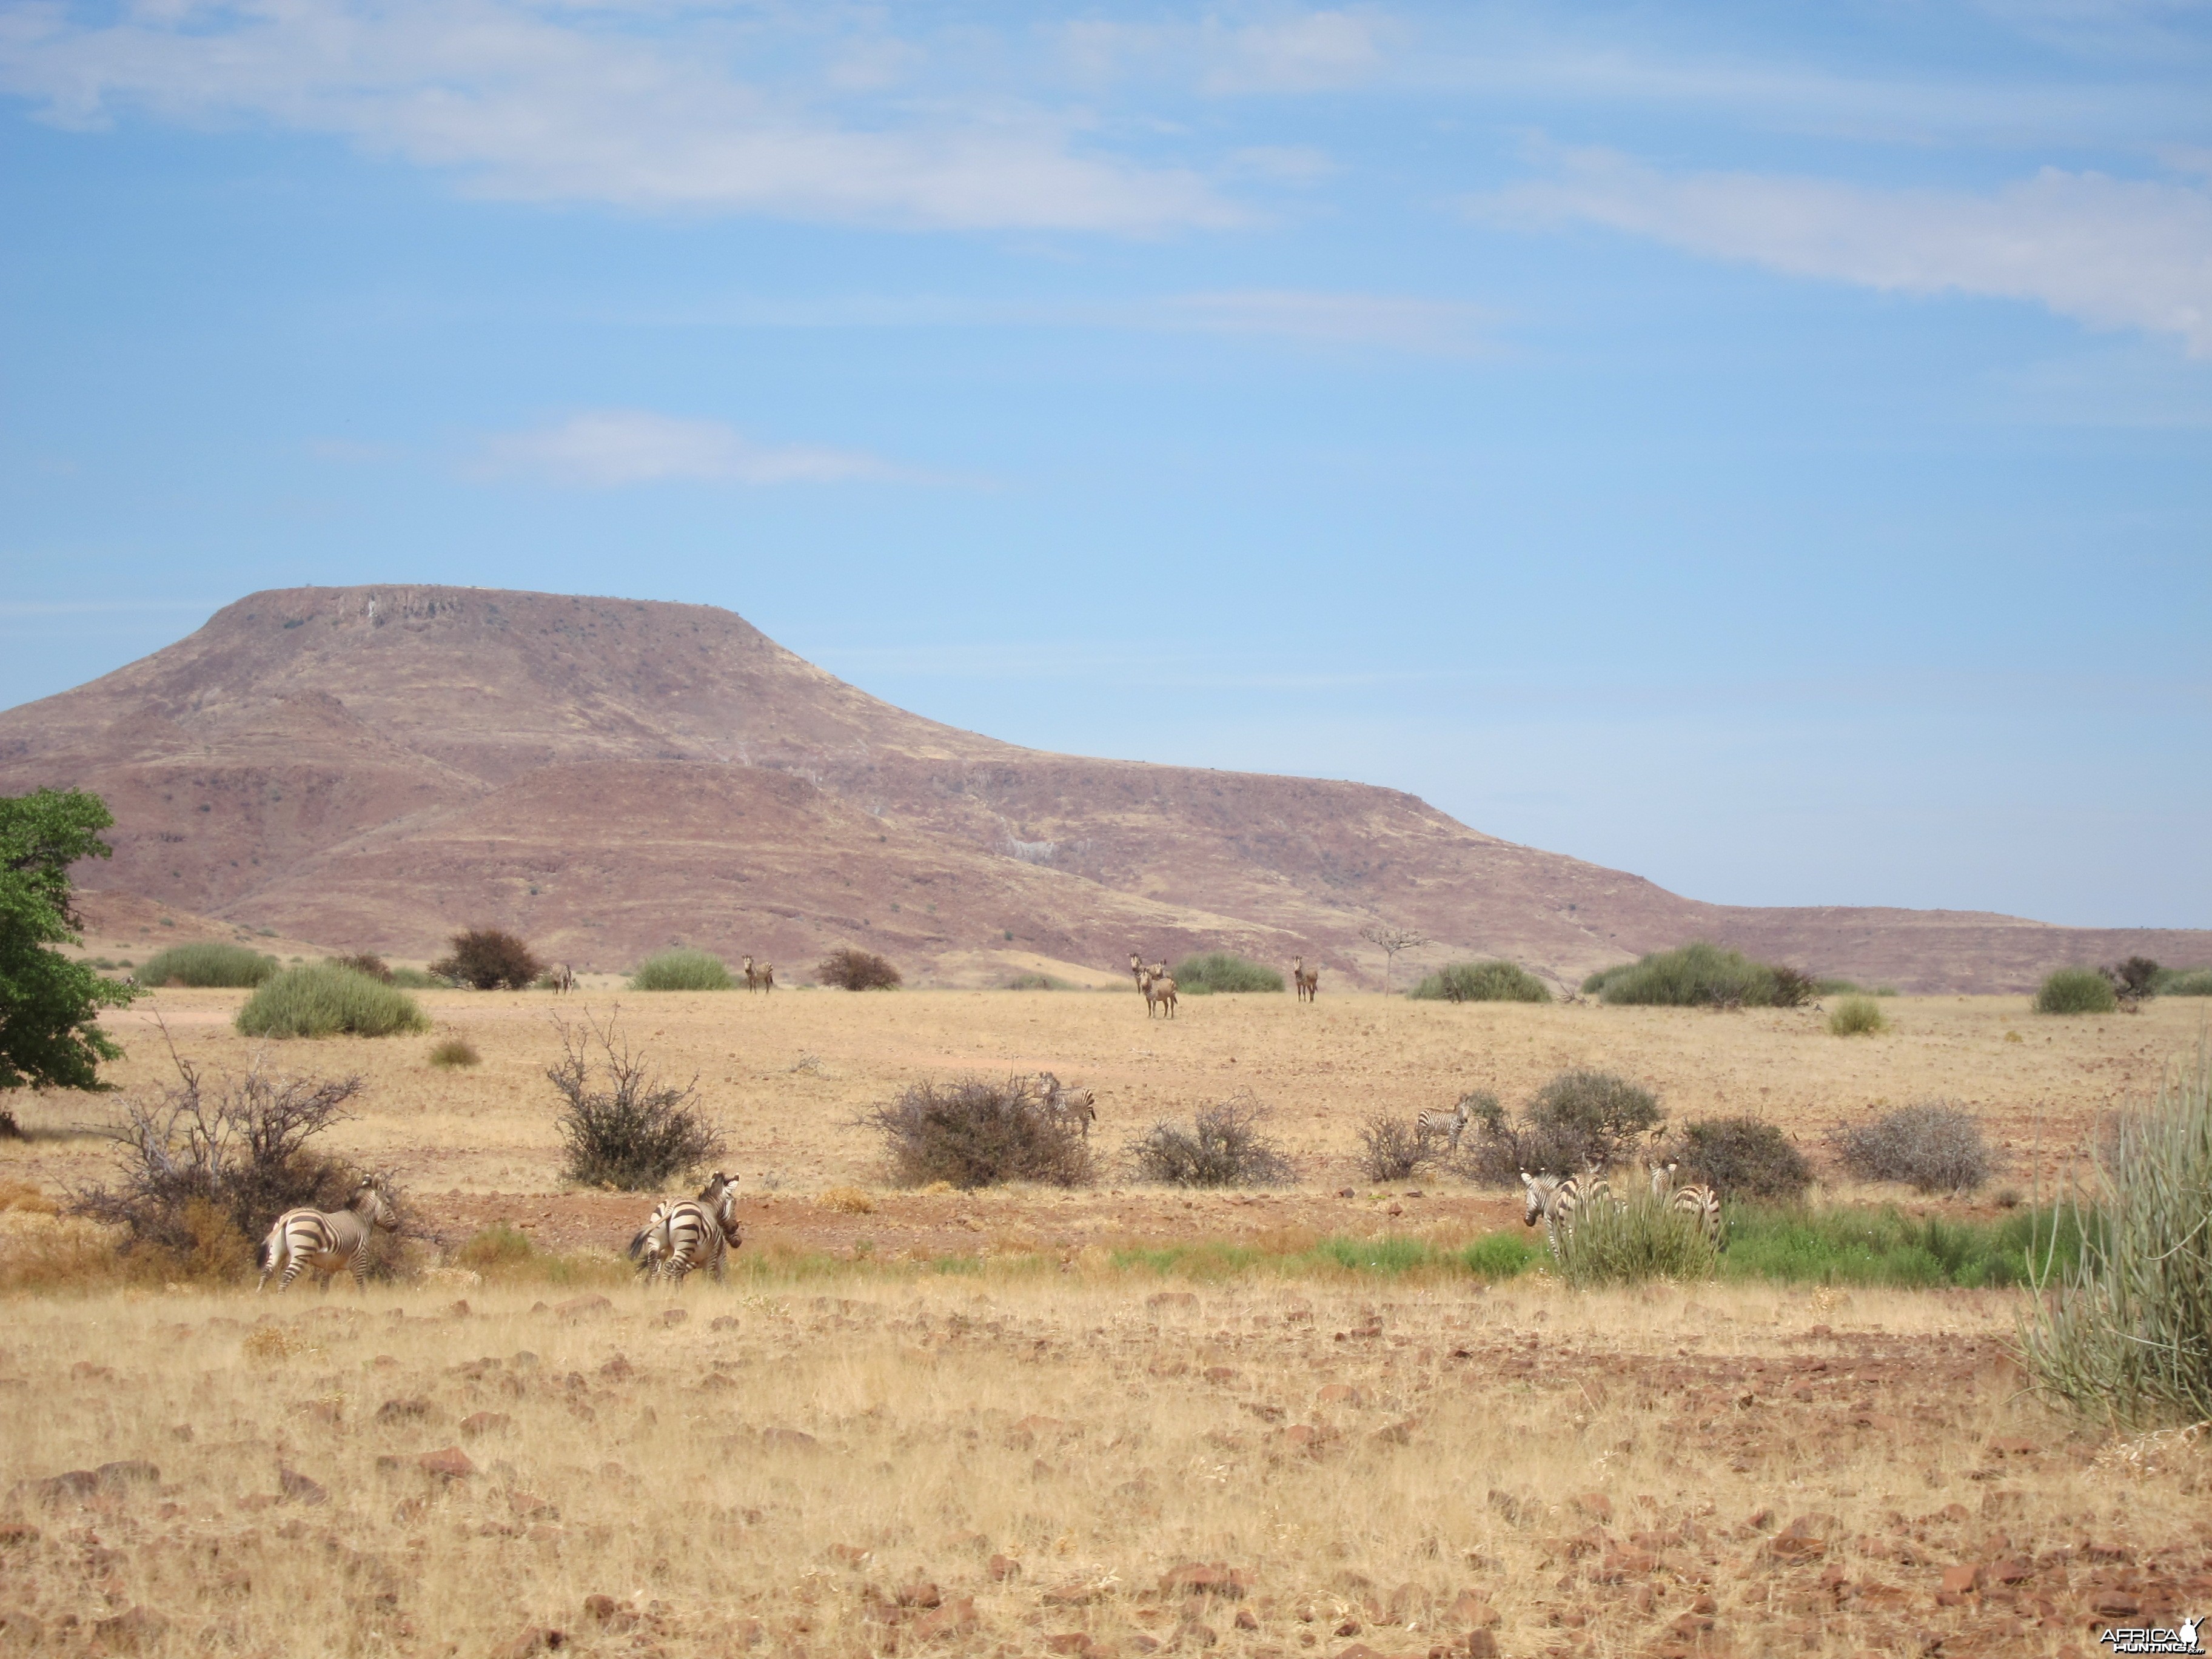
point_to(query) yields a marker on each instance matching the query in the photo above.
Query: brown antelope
(1305, 981)
(1159, 992)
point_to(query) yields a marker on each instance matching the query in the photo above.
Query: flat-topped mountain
(375, 766)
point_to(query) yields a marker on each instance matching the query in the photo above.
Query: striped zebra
(687, 1233)
(1451, 1125)
(327, 1242)
(1559, 1198)
(1079, 1103)
(1696, 1200)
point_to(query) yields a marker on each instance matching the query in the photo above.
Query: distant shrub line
(324, 999)
(1481, 981)
(1221, 970)
(682, 970)
(207, 964)
(1700, 973)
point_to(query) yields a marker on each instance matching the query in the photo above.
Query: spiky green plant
(2126, 1332)
(1640, 1238)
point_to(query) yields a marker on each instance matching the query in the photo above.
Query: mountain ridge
(377, 766)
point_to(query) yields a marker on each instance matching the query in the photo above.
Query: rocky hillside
(374, 766)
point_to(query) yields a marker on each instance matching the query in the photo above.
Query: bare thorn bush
(485, 958)
(976, 1132)
(205, 1167)
(1223, 1147)
(622, 1127)
(1392, 1148)
(849, 969)
(1934, 1146)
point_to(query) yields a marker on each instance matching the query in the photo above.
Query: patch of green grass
(2183, 982)
(682, 970)
(1642, 1238)
(454, 1051)
(1857, 1016)
(413, 979)
(321, 999)
(207, 963)
(1886, 1247)
(1221, 970)
(1039, 983)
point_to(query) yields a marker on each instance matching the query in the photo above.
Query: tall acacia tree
(49, 1005)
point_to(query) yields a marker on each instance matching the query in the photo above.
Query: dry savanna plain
(1112, 1421)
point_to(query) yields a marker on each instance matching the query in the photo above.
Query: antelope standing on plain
(327, 1242)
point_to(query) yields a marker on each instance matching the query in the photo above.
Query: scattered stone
(20, 1630)
(1036, 1427)
(448, 1463)
(852, 1555)
(2118, 1603)
(788, 1440)
(459, 1310)
(1482, 1645)
(1219, 1374)
(1205, 1579)
(1138, 1642)
(919, 1593)
(954, 1619)
(1074, 1594)
(748, 1633)
(1246, 1621)
(1805, 1539)
(1340, 1394)
(1171, 1299)
(1396, 1434)
(583, 1307)
(1074, 1641)
(1194, 1633)
(617, 1369)
(673, 1315)
(297, 1488)
(723, 1322)
(523, 1360)
(477, 1423)
(404, 1411)
(130, 1631)
(1471, 1607)
(537, 1639)
(1594, 1504)
(1962, 1580)
(609, 1613)
(1000, 1568)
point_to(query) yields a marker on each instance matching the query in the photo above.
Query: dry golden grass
(787, 1074)
(1597, 1473)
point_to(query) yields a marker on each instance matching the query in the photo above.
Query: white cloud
(607, 447)
(1311, 53)
(1395, 322)
(524, 103)
(2112, 252)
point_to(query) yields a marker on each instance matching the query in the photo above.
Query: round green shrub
(207, 963)
(2184, 982)
(1481, 981)
(1857, 1016)
(1696, 974)
(321, 999)
(682, 970)
(2076, 991)
(1223, 970)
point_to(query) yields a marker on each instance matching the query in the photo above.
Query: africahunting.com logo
(2148, 1640)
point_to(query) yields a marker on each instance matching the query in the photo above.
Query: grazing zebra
(1696, 1200)
(1451, 1125)
(1159, 992)
(1305, 981)
(1560, 1198)
(686, 1233)
(1080, 1103)
(326, 1242)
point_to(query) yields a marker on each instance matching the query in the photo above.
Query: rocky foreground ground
(1072, 1463)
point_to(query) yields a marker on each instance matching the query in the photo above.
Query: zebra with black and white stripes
(1558, 1199)
(1450, 1124)
(1081, 1104)
(1696, 1201)
(327, 1242)
(683, 1234)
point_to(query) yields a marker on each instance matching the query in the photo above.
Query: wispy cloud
(605, 448)
(534, 103)
(2112, 252)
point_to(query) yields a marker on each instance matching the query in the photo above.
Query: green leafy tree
(49, 1005)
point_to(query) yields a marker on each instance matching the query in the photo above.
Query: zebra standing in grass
(327, 1242)
(1560, 1198)
(1696, 1200)
(1079, 1103)
(1451, 1125)
(687, 1233)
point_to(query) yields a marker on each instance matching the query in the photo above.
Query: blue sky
(1768, 449)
